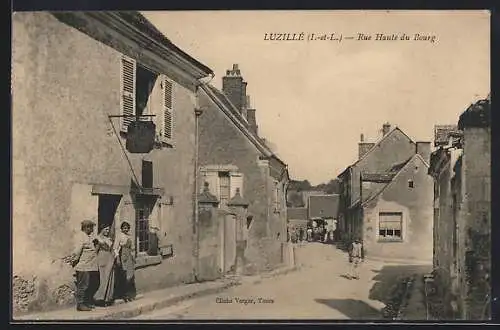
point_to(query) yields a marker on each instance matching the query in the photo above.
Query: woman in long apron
(105, 262)
(125, 254)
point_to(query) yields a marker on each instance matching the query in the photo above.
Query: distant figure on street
(355, 257)
(309, 234)
(301, 234)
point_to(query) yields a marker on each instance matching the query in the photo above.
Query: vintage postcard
(251, 165)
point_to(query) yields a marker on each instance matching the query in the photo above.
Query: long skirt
(105, 292)
(125, 286)
(126, 275)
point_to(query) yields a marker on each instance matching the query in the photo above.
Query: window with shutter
(390, 226)
(168, 110)
(128, 92)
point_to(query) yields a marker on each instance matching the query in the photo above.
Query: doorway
(108, 204)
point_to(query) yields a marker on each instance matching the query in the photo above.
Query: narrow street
(318, 290)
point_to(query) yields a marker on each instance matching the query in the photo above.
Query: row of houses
(461, 168)
(408, 202)
(319, 207)
(80, 81)
(386, 197)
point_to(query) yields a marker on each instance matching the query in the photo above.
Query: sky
(315, 98)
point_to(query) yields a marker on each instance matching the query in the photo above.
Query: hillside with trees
(296, 187)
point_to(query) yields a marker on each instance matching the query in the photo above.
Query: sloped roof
(476, 115)
(222, 100)
(297, 213)
(373, 194)
(377, 177)
(145, 26)
(395, 128)
(442, 134)
(323, 206)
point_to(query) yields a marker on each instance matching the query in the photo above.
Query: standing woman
(105, 262)
(125, 257)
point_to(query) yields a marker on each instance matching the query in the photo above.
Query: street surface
(319, 290)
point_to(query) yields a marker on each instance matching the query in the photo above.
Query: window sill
(390, 240)
(144, 260)
(158, 144)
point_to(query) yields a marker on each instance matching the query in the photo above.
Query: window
(144, 206)
(147, 174)
(223, 182)
(277, 204)
(410, 184)
(390, 226)
(224, 188)
(137, 87)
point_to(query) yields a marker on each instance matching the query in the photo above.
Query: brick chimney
(424, 150)
(234, 87)
(364, 147)
(244, 111)
(386, 128)
(252, 122)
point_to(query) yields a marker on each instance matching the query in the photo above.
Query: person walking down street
(355, 256)
(84, 261)
(124, 253)
(309, 234)
(106, 264)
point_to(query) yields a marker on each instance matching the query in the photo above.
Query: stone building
(386, 197)
(232, 157)
(71, 71)
(461, 168)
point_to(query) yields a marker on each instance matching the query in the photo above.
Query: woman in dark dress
(125, 254)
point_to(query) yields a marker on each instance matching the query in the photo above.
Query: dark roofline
(118, 29)
(236, 117)
(395, 178)
(380, 141)
(476, 115)
(138, 20)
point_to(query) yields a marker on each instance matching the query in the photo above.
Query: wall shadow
(352, 308)
(388, 278)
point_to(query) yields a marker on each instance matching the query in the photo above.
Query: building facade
(234, 158)
(71, 74)
(461, 168)
(391, 224)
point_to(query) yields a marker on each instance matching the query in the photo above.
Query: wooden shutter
(278, 196)
(128, 80)
(212, 178)
(236, 182)
(168, 111)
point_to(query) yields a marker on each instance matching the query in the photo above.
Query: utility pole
(196, 229)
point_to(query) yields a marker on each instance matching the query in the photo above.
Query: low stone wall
(44, 292)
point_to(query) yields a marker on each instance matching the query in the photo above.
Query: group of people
(104, 266)
(316, 234)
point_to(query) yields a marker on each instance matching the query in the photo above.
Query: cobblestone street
(319, 290)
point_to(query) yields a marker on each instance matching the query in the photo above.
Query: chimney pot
(362, 138)
(235, 67)
(386, 128)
